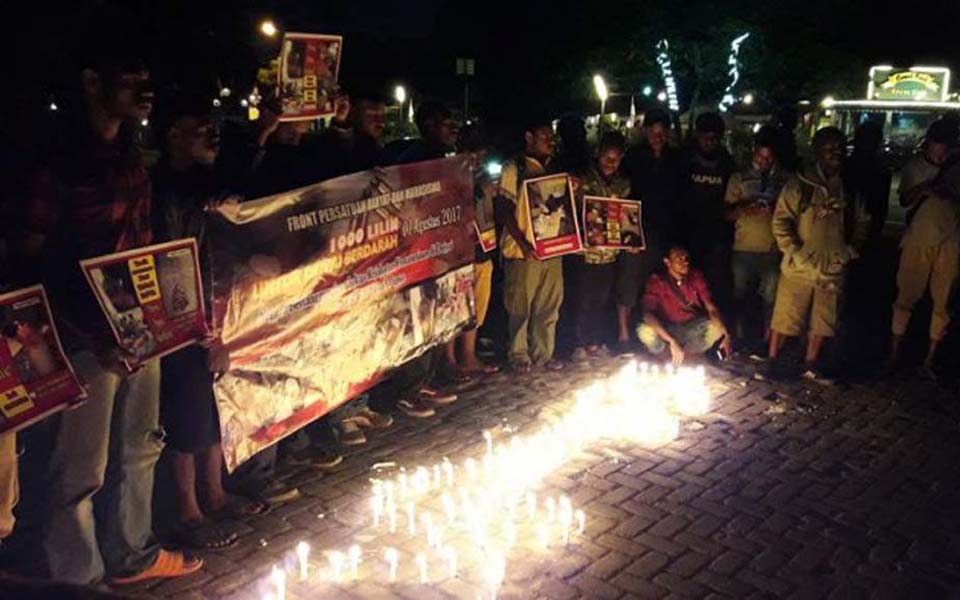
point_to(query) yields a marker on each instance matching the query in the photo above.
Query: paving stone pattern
(783, 490)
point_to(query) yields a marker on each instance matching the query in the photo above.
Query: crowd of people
(734, 260)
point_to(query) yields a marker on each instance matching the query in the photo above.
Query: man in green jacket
(815, 226)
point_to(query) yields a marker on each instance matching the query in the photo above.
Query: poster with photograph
(36, 379)
(484, 222)
(319, 292)
(309, 67)
(552, 216)
(612, 223)
(152, 296)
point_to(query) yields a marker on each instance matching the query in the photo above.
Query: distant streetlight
(748, 99)
(224, 92)
(828, 102)
(647, 90)
(268, 28)
(53, 106)
(662, 96)
(400, 95)
(601, 88)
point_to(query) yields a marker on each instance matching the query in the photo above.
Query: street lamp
(662, 96)
(647, 90)
(601, 87)
(400, 93)
(268, 28)
(748, 99)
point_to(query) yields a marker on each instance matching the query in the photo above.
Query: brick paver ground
(783, 490)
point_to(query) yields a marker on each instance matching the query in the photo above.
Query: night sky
(535, 54)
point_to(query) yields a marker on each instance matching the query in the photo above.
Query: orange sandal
(167, 565)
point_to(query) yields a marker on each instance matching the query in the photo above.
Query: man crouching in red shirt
(679, 313)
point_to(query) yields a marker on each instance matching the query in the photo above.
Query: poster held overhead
(309, 68)
(552, 215)
(612, 224)
(152, 297)
(36, 379)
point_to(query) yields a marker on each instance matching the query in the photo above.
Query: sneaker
(350, 434)
(371, 418)
(579, 354)
(814, 374)
(314, 457)
(278, 492)
(417, 407)
(436, 396)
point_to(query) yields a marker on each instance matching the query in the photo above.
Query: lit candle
(448, 471)
(436, 476)
(390, 554)
(551, 505)
(428, 527)
(422, 479)
(449, 507)
(543, 535)
(402, 483)
(392, 516)
(471, 466)
(496, 569)
(488, 437)
(376, 504)
(565, 517)
(354, 554)
(451, 555)
(411, 518)
(581, 518)
(422, 564)
(278, 578)
(303, 554)
(336, 564)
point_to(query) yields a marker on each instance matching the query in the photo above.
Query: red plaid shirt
(91, 198)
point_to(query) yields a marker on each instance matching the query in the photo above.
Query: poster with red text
(320, 291)
(309, 67)
(36, 379)
(152, 296)
(612, 224)
(552, 216)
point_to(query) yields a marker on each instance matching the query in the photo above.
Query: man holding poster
(533, 287)
(598, 269)
(92, 197)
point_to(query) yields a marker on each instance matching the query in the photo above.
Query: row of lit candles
(496, 492)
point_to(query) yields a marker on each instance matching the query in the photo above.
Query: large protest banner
(36, 379)
(309, 65)
(152, 296)
(321, 290)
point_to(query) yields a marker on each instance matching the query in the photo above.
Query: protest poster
(484, 223)
(36, 379)
(612, 223)
(152, 296)
(320, 291)
(552, 216)
(309, 67)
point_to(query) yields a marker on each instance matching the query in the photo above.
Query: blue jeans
(756, 273)
(99, 517)
(695, 336)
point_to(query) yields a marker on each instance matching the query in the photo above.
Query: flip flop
(239, 507)
(203, 535)
(484, 369)
(167, 566)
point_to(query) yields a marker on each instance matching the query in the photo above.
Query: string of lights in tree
(666, 70)
(734, 61)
